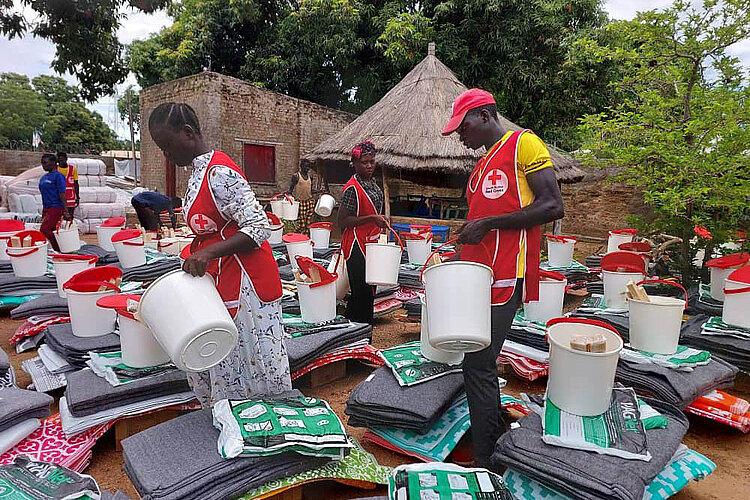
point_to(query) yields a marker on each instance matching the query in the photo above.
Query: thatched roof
(405, 126)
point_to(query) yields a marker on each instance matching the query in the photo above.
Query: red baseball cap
(472, 98)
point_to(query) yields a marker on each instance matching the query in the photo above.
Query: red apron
(364, 233)
(494, 190)
(210, 227)
(70, 189)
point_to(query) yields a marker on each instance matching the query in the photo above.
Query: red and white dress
(219, 203)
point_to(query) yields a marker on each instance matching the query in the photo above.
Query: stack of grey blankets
(19, 405)
(306, 348)
(118, 495)
(13, 286)
(731, 349)
(105, 257)
(87, 393)
(703, 305)
(618, 321)
(49, 304)
(586, 475)
(74, 349)
(152, 270)
(6, 268)
(679, 388)
(379, 401)
(410, 276)
(7, 377)
(178, 460)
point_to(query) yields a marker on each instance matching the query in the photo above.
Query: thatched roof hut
(405, 126)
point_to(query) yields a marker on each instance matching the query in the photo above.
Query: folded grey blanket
(152, 270)
(75, 349)
(731, 349)
(676, 387)
(118, 495)
(4, 361)
(105, 257)
(17, 405)
(178, 460)
(305, 349)
(87, 393)
(380, 401)
(585, 475)
(50, 303)
(11, 285)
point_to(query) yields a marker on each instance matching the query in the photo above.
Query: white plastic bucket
(320, 237)
(88, 319)
(169, 246)
(382, 262)
(338, 266)
(104, 236)
(301, 248)
(28, 262)
(560, 253)
(581, 382)
(432, 353)
(189, 319)
(616, 239)
(130, 253)
(66, 269)
(418, 250)
(4, 237)
(325, 204)
(615, 287)
(291, 209)
(550, 303)
(655, 325)
(68, 240)
(736, 310)
(277, 208)
(458, 298)
(139, 346)
(317, 304)
(277, 231)
(718, 280)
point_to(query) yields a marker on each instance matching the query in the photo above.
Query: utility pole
(132, 135)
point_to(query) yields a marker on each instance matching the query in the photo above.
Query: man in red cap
(512, 191)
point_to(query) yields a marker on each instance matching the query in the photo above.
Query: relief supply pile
(20, 414)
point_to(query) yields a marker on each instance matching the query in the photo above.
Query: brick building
(266, 133)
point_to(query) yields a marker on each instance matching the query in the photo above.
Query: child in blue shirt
(52, 188)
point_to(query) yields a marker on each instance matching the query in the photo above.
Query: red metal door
(259, 163)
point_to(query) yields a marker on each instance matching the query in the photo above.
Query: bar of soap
(588, 343)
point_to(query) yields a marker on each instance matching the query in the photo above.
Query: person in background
(72, 191)
(230, 245)
(511, 192)
(361, 222)
(52, 188)
(149, 204)
(301, 189)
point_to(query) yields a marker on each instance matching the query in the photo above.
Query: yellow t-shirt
(64, 171)
(532, 156)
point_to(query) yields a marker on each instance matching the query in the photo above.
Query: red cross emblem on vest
(495, 184)
(200, 224)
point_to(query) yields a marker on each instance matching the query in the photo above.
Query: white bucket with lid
(618, 237)
(66, 268)
(655, 325)
(88, 319)
(317, 303)
(432, 353)
(338, 266)
(68, 239)
(721, 268)
(8, 228)
(382, 262)
(560, 250)
(736, 310)
(130, 248)
(106, 230)
(320, 234)
(551, 297)
(189, 319)
(297, 245)
(28, 262)
(615, 287)
(581, 382)
(325, 204)
(418, 250)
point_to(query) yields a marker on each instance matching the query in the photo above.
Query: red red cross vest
(364, 233)
(210, 227)
(70, 190)
(494, 190)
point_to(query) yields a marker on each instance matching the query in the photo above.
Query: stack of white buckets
(730, 284)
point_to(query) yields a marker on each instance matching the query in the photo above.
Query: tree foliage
(122, 108)
(682, 128)
(50, 106)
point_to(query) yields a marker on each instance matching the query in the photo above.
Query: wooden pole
(132, 134)
(386, 194)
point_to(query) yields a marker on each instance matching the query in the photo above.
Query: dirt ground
(728, 448)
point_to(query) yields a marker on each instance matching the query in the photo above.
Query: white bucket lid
(207, 349)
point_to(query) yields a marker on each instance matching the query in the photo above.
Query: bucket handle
(560, 238)
(737, 290)
(288, 198)
(33, 249)
(424, 266)
(584, 321)
(398, 238)
(665, 282)
(93, 259)
(134, 243)
(105, 284)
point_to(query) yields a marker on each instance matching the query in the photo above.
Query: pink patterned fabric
(523, 366)
(28, 329)
(365, 353)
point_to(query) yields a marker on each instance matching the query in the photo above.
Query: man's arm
(546, 207)
(78, 193)
(293, 183)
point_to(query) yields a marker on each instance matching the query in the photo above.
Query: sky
(32, 56)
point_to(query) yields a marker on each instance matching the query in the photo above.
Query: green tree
(681, 132)
(22, 110)
(122, 107)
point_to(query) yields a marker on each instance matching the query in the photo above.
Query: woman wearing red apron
(361, 223)
(230, 245)
(511, 193)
